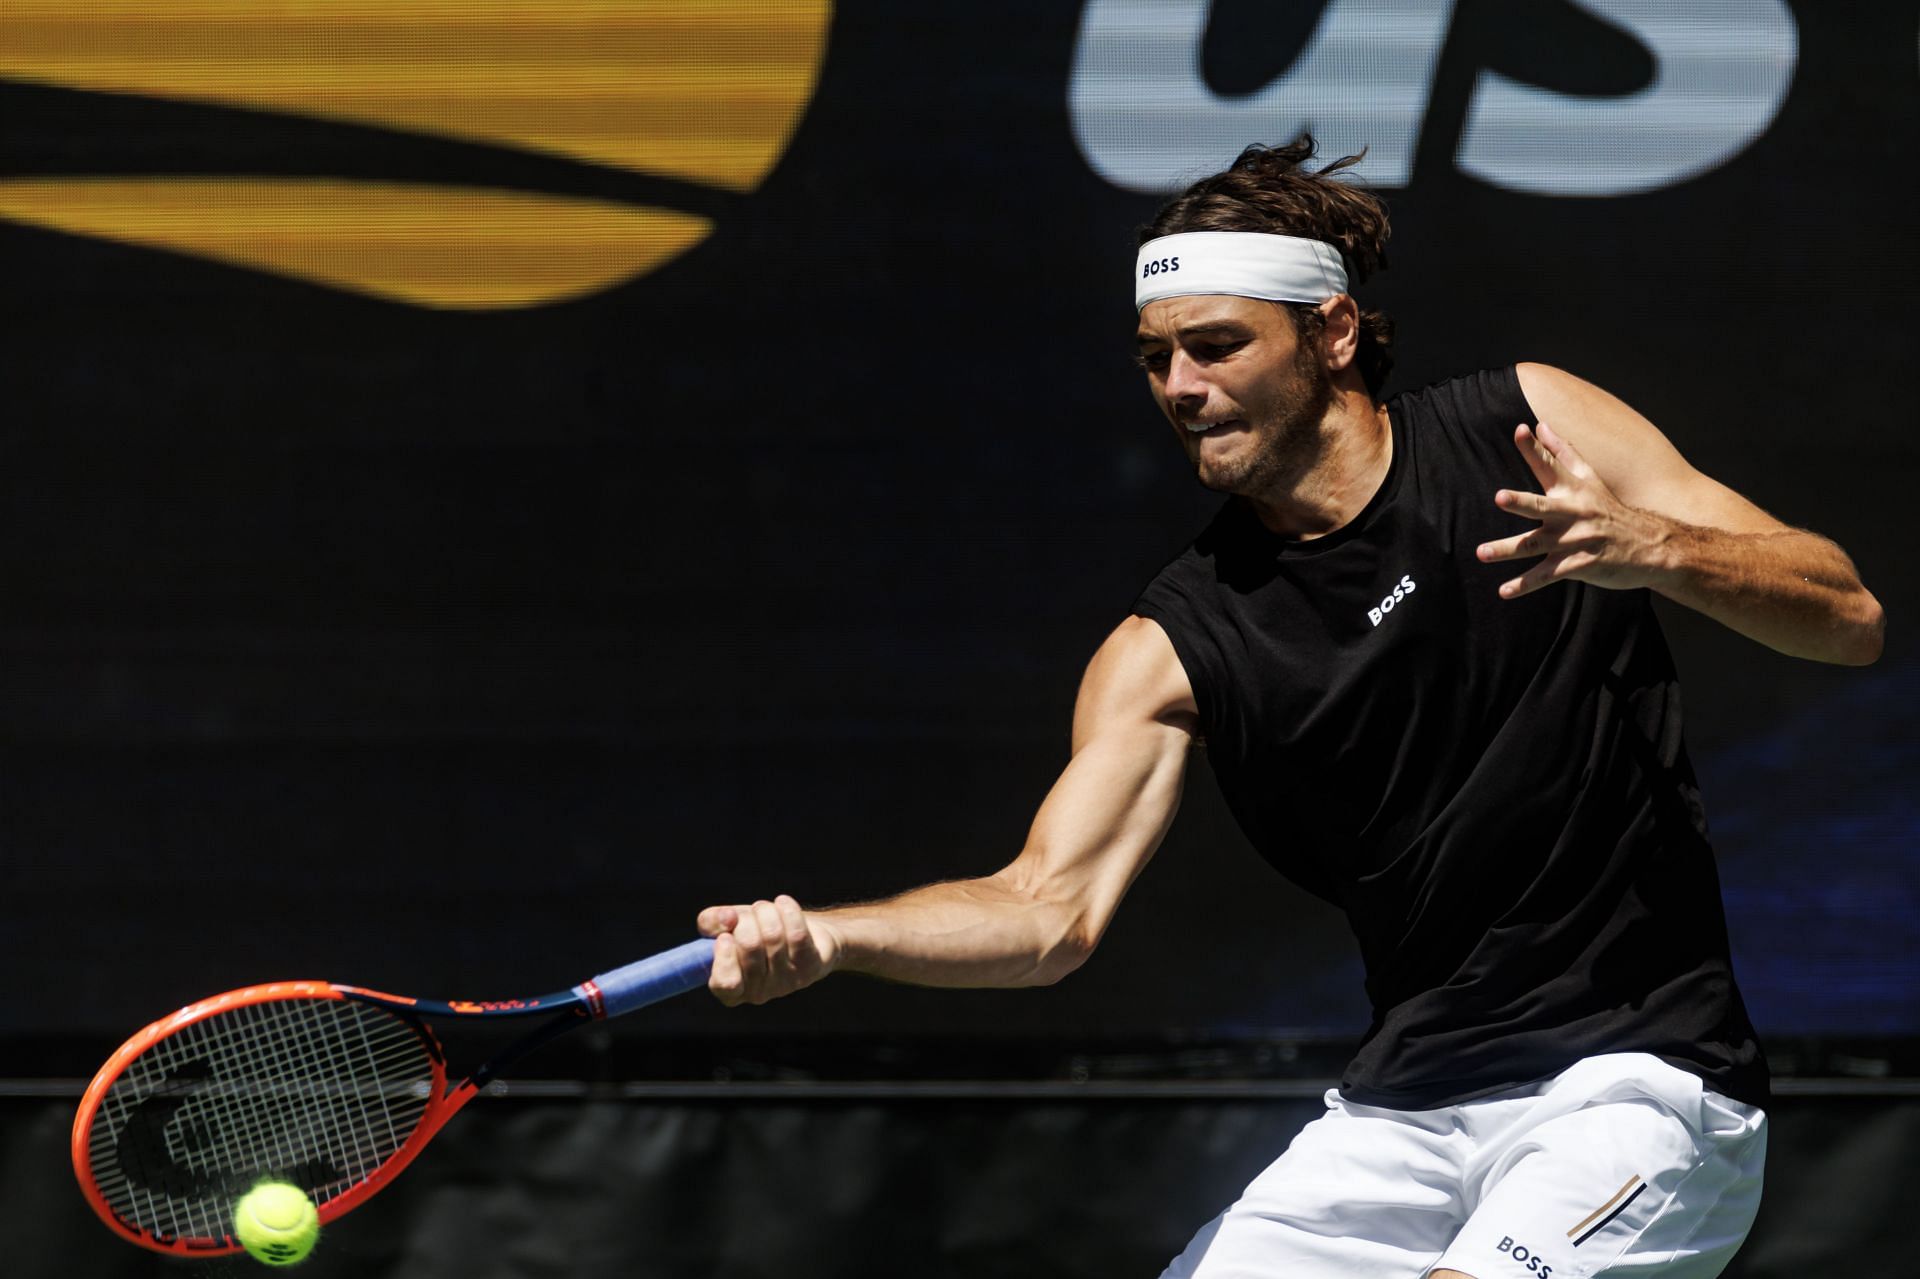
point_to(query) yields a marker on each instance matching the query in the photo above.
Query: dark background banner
(470, 648)
(742, 1188)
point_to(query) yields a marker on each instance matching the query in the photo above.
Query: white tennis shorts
(1620, 1164)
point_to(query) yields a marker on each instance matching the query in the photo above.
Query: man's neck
(1353, 452)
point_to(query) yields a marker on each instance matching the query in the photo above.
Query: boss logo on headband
(1156, 267)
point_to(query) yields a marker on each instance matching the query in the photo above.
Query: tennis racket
(333, 1088)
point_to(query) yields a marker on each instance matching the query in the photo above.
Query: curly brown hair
(1266, 189)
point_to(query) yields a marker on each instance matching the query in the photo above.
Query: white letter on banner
(1721, 70)
(1146, 119)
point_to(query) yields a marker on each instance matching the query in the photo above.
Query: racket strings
(319, 1092)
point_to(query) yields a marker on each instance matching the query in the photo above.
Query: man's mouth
(1201, 428)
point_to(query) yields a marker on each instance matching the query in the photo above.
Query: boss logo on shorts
(1158, 266)
(1520, 1252)
(1389, 602)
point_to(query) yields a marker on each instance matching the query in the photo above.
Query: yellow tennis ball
(276, 1223)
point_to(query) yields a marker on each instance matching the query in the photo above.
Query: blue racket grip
(650, 980)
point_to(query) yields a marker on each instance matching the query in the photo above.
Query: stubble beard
(1292, 440)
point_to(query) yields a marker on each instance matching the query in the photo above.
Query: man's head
(1267, 190)
(1247, 331)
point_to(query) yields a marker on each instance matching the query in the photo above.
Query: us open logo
(571, 147)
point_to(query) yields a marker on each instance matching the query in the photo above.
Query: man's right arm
(1037, 919)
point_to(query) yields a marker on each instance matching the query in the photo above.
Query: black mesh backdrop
(471, 650)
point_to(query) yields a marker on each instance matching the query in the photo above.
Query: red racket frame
(441, 1106)
(609, 994)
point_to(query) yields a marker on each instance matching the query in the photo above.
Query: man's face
(1245, 396)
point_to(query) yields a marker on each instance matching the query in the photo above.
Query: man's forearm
(1625, 510)
(1794, 591)
(969, 932)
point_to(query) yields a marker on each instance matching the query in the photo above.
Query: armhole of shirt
(1503, 389)
(1198, 655)
(1479, 412)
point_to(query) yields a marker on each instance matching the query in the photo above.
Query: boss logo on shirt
(1520, 1252)
(1388, 602)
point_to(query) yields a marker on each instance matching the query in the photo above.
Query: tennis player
(1418, 640)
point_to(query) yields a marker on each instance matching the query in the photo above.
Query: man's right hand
(766, 950)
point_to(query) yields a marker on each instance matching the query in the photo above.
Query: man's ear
(1340, 333)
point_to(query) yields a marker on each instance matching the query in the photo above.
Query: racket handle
(650, 980)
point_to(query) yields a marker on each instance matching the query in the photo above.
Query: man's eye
(1218, 350)
(1152, 361)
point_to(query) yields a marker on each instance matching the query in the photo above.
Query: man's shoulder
(1464, 397)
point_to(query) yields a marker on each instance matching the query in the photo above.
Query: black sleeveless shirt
(1495, 791)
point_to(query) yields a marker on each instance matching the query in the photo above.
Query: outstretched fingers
(1563, 476)
(1518, 547)
(1535, 506)
(1584, 532)
(1555, 568)
(1535, 453)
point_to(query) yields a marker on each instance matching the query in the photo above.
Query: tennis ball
(276, 1223)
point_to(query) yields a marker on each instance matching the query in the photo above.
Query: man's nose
(1185, 384)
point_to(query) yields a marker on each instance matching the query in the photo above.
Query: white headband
(1243, 264)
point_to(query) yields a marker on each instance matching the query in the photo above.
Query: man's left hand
(1585, 533)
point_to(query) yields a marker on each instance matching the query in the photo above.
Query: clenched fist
(766, 950)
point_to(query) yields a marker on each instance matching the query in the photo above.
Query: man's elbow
(1866, 632)
(1070, 948)
(1062, 923)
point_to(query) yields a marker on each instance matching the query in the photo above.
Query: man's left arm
(1620, 508)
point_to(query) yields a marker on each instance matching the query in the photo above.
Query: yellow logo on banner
(706, 91)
